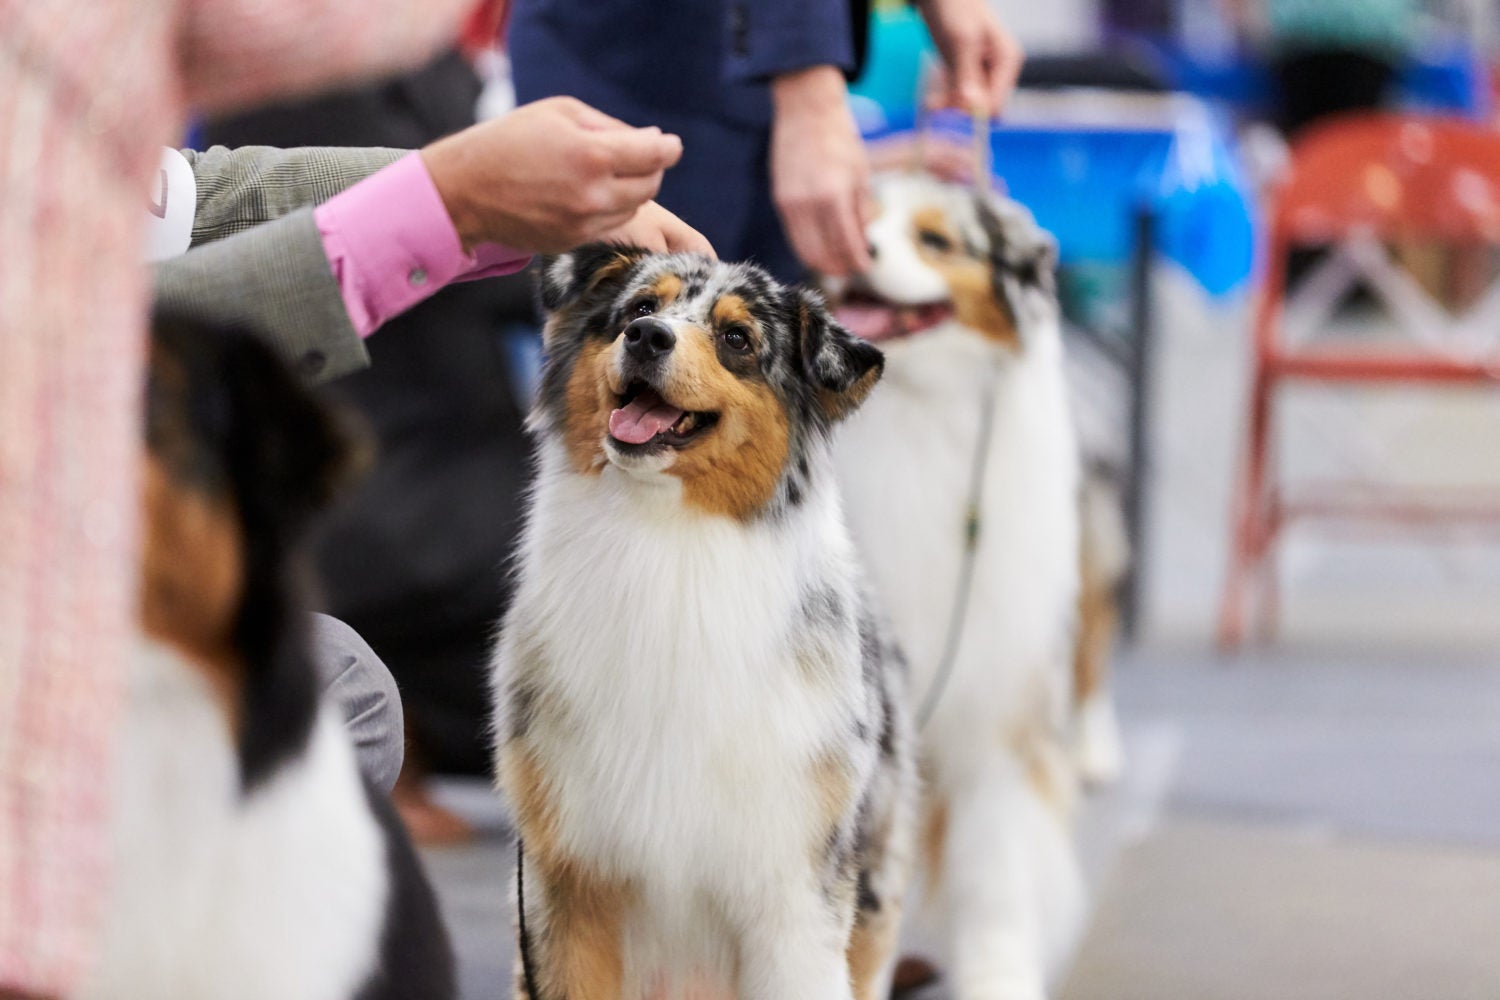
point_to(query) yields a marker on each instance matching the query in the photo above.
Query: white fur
(667, 636)
(281, 894)
(1008, 904)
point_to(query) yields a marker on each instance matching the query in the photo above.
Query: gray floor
(1296, 825)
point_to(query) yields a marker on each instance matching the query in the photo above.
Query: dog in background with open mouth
(251, 858)
(962, 480)
(700, 720)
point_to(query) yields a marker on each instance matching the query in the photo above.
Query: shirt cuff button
(417, 277)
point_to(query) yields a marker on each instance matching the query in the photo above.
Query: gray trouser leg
(366, 694)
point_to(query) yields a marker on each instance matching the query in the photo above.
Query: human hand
(981, 61)
(654, 228)
(820, 174)
(548, 176)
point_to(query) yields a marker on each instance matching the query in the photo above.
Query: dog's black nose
(648, 338)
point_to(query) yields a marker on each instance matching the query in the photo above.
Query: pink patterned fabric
(89, 92)
(391, 244)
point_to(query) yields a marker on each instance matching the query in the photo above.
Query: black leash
(527, 972)
(983, 183)
(972, 522)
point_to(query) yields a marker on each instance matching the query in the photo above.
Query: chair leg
(1268, 570)
(1252, 528)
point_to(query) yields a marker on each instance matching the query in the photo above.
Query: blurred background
(1307, 679)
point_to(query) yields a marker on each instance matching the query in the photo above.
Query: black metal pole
(1137, 481)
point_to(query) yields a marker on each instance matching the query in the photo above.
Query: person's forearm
(812, 90)
(238, 189)
(391, 244)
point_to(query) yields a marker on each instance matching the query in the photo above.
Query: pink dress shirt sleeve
(391, 244)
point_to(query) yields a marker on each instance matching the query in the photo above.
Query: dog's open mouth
(645, 420)
(873, 317)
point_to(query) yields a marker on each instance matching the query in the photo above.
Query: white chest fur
(279, 894)
(684, 699)
(906, 461)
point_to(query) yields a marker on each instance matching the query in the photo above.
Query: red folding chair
(1360, 186)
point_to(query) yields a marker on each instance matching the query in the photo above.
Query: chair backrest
(1362, 185)
(1393, 176)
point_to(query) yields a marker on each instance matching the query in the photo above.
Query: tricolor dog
(251, 860)
(700, 721)
(974, 411)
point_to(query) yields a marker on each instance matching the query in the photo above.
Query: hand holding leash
(981, 60)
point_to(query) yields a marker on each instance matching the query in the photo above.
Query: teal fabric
(1378, 26)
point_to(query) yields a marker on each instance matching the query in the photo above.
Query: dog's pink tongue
(641, 419)
(872, 322)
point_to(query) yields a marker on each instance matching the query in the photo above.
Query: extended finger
(843, 235)
(806, 238)
(630, 193)
(640, 152)
(968, 89)
(684, 238)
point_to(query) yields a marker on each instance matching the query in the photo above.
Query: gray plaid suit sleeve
(257, 258)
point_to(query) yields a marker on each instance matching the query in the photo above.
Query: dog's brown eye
(935, 241)
(645, 307)
(737, 339)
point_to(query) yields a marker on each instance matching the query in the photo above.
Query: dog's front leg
(571, 916)
(1011, 887)
(796, 949)
(571, 932)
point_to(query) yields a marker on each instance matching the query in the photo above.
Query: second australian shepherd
(251, 860)
(970, 437)
(700, 721)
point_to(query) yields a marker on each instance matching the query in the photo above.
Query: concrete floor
(1294, 825)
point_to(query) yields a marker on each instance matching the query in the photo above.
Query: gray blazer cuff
(274, 278)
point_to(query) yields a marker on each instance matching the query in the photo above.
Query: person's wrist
(816, 90)
(444, 163)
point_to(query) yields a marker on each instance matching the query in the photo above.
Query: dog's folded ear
(841, 367)
(568, 277)
(1023, 256)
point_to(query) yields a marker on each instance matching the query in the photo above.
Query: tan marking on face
(970, 281)
(589, 403)
(192, 570)
(666, 289)
(733, 470)
(731, 309)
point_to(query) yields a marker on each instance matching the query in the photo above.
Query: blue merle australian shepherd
(699, 716)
